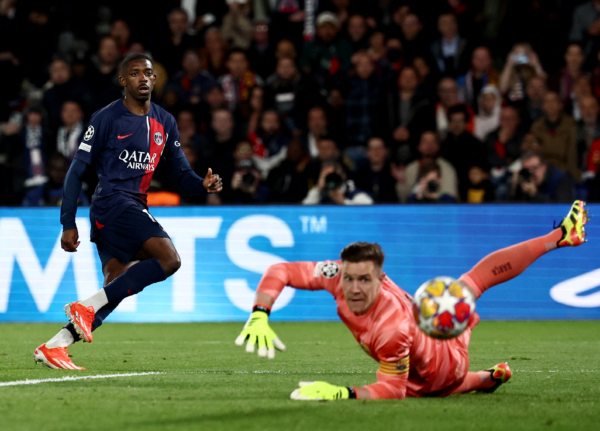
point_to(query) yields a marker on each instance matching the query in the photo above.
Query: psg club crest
(89, 133)
(158, 138)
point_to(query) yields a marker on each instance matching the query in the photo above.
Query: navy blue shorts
(124, 237)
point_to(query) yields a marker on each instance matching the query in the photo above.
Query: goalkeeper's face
(361, 282)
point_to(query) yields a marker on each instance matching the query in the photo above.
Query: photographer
(428, 187)
(246, 178)
(334, 188)
(538, 181)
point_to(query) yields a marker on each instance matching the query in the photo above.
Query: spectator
(191, 83)
(65, 87)
(252, 111)
(562, 82)
(285, 48)
(531, 106)
(539, 181)
(269, 142)
(378, 50)
(429, 151)
(588, 127)
(237, 29)
(121, 32)
(435, 116)
(329, 153)
(25, 143)
(557, 134)
(336, 112)
(171, 49)
(450, 52)
(287, 182)
(357, 33)
(288, 93)
(103, 75)
(217, 151)
(214, 53)
(582, 87)
(427, 79)
(327, 54)
(403, 104)
(334, 188)
(11, 69)
(237, 83)
(479, 189)
(428, 188)
(188, 131)
(489, 112)
(364, 101)
(504, 144)
(70, 133)
(50, 193)
(262, 53)
(585, 27)
(412, 38)
(246, 177)
(461, 148)
(480, 75)
(317, 127)
(522, 64)
(375, 178)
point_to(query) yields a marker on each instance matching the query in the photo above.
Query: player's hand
(319, 391)
(212, 183)
(69, 240)
(258, 332)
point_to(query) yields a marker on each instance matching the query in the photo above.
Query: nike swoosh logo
(123, 137)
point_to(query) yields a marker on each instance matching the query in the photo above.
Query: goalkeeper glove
(322, 391)
(258, 332)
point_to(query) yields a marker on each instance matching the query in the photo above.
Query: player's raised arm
(300, 275)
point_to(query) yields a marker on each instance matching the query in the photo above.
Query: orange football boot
(56, 358)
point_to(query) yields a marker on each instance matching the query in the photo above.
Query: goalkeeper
(379, 315)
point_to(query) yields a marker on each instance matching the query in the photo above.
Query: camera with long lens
(248, 178)
(433, 186)
(525, 175)
(333, 181)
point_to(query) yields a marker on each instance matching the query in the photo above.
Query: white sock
(97, 300)
(62, 339)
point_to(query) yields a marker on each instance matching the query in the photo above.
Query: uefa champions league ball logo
(89, 133)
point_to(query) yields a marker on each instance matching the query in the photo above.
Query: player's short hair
(133, 57)
(363, 251)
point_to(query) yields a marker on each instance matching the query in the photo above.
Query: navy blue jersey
(126, 149)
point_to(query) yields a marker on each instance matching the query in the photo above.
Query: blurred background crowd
(316, 101)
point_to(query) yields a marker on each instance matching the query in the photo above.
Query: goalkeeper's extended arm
(387, 387)
(257, 330)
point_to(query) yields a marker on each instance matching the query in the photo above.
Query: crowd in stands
(345, 102)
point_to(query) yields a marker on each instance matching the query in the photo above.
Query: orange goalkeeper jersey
(410, 362)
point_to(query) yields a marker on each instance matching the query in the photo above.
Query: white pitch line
(70, 378)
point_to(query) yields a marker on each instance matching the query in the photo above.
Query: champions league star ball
(443, 306)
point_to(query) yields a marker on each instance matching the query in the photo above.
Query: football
(443, 306)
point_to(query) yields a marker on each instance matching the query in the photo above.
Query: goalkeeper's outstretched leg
(507, 263)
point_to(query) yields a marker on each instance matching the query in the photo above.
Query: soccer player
(125, 141)
(379, 315)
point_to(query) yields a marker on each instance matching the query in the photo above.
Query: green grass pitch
(207, 383)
